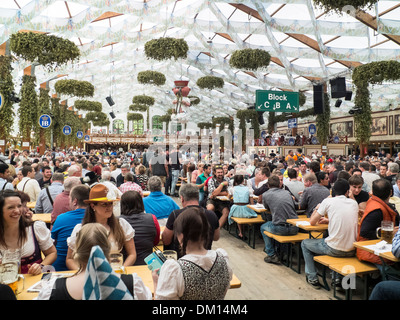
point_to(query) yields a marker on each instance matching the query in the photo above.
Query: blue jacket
(159, 204)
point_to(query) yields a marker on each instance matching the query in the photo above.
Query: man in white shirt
(28, 184)
(4, 175)
(341, 214)
(368, 176)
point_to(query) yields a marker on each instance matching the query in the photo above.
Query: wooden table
(386, 255)
(142, 271)
(319, 227)
(386, 268)
(31, 205)
(258, 209)
(45, 217)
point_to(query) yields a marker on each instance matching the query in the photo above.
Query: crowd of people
(127, 197)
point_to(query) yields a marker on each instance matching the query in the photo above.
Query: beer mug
(386, 231)
(170, 254)
(116, 262)
(10, 261)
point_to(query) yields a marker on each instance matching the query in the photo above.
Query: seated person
(90, 236)
(281, 204)
(378, 209)
(357, 193)
(158, 203)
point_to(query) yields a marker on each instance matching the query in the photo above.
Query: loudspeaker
(338, 103)
(348, 95)
(338, 87)
(260, 117)
(110, 101)
(318, 99)
(112, 115)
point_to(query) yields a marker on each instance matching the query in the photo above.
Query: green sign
(277, 101)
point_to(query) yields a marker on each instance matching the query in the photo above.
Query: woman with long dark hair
(30, 238)
(100, 209)
(200, 274)
(147, 229)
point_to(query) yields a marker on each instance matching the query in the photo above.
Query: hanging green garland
(74, 88)
(339, 6)
(138, 107)
(99, 119)
(210, 82)
(47, 50)
(151, 77)
(250, 59)
(28, 108)
(7, 113)
(88, 105)
(363, 76)
(252, 115)
(44, 108)
(134, 116)
(143, 100)
(166, 48)
(204, 125)
(194, 100)
(323, 122)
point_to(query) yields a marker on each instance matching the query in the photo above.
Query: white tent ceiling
(307, 45)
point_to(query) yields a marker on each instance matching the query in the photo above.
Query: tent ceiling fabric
(306, 45)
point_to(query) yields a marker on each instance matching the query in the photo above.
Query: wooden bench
(293, 242)
(346, 266)
(251, 223)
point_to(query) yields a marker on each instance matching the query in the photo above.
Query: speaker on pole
(338, 87)
(318, 99)
(348, 95)
(110, 101)
(338, 103)
(112, 115)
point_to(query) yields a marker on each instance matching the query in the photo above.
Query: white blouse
(171, 284)
(126, 227)
(43, 237)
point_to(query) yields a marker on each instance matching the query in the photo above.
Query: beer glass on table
(387, 228)
(116, 262)
(10, 262)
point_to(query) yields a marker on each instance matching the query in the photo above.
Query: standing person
(341, 214)
(100, 209)
(147, 229)
(200, 274)
(189, 195)
(281, 204)
(28, 184)
(94, 236)
(159, 167)
(67, 221)
(44, 203)
(201, 181)
(218, 186)
(175, 159)
(31, 238)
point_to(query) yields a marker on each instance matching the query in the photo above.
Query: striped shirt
(396, 245)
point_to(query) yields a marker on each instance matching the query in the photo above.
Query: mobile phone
(155, 260)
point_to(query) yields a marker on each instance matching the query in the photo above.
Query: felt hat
(100, 193)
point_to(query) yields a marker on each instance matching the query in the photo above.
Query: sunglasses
(105, 204)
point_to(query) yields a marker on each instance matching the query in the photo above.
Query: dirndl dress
(239, 208)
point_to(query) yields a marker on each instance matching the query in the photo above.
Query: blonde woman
(71, 288)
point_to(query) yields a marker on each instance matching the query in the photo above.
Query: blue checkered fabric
(101, 282)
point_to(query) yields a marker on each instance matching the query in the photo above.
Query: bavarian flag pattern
(101, 282)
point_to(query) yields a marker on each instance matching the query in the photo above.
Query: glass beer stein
(386, 228)
(10, 261)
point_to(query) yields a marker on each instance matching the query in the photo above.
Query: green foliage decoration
(340, 6)
(28, 108)
(134, 116)
(323, 122)
(250, 59)
(74, 88)
(48, 50)
(151, 77)
(138, 107)
(194, 100)
(99, 119)
(364, 75)
(7, 113)
(210, 82)
(88, 105)
(204, 125)
(252, 115)
(166, 48)
(143, 100)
